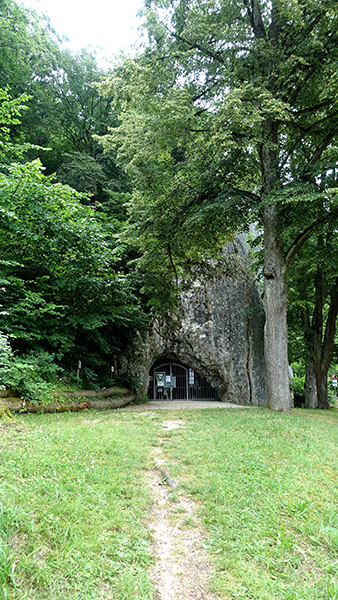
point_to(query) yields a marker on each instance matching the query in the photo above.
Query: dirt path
(182, 567)
(182, 404)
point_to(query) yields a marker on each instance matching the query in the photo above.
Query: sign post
(160, 379)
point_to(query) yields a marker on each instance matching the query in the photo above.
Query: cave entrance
(170, 379)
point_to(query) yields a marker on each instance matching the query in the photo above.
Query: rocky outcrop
(217, 330)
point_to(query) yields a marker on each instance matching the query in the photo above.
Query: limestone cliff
(217, 330)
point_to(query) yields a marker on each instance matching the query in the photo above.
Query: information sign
(160, 379)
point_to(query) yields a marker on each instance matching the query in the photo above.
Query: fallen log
(10, 393)
(18, 404)
(105, 392)
(93, 393)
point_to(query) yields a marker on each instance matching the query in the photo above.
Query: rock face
(217, 330)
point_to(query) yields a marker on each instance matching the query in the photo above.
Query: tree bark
(323, 350)
(322, 389)
(310, 386)
(104, 392)
(17, 404)
(93, 393)
(276, 303)
(275, 285)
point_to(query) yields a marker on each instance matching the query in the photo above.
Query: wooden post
(78, 370)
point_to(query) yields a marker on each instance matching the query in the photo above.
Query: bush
(33, 375)
(298, 390)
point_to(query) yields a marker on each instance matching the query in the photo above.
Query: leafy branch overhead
(229, 116)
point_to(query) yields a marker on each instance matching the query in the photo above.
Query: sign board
(191, 376)
(334, 382)
(170, 381)
(160, 378)
(334, 376)
(151, 378)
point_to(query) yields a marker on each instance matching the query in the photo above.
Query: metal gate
(169, 379)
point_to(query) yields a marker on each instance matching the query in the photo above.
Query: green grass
(267, 487)
(73, 507)
(73, 502)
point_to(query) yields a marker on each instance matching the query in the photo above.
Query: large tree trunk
(276, 303)
(322, 389)
(19, 405)
(275, 286)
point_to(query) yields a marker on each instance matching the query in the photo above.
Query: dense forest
(113, 183)
(67, 291)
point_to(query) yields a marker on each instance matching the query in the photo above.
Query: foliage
(58, 268)
(64, 285)
(64, 108)
(298, 383)
(194, 107)
(229, 115)
(29, 49)
(61, 289)
(32, 375)
(313, 306)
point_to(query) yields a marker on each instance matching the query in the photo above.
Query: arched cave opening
(170, 379)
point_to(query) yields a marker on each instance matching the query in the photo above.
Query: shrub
(33, 375)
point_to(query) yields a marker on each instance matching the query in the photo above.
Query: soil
(182, 568)
(181, 404)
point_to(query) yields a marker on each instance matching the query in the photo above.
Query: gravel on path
(180, 404)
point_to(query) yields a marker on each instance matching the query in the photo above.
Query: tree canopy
(227, 116)
(230, 115)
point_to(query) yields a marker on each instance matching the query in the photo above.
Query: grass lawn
(73, 502)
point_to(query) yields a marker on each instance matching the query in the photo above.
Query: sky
(111, 24)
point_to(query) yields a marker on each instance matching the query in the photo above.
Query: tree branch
(255, 18)
(322, 146)
(304, 236)
(196, 46)
(312, 108)
(172, 264)
(330, 329)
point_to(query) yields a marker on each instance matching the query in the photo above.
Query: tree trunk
(310, 387)
(19, 405)
(275, 286)
(322, 388)
(105, 392)
(323, 351)
(275, 302)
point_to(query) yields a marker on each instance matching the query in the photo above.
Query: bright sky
(111, 24)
